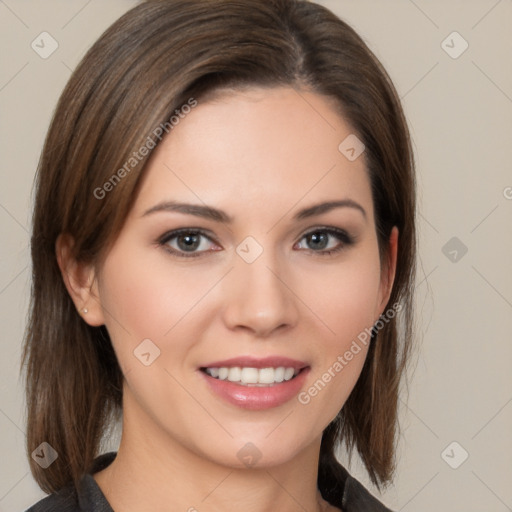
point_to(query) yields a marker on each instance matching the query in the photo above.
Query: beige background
(460, 113)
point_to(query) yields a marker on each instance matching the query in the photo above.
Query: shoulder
(356, 498)
(89, 498)
(62, 501)
(345, 492)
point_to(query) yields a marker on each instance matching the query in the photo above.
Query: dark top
(354, 498)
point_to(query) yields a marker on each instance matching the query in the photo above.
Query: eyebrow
(208, 212)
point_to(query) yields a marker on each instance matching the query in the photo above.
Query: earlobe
(389, 269)
(80, 281)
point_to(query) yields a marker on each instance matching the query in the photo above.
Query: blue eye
(320, 240)
(186, 242)
(191, 242)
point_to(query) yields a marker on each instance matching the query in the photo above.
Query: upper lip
(258, 362)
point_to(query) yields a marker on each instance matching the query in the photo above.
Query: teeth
(249, 376)
(214, 372)
(234, 374)
(270, 375)
(288, 373)
(253, 376)
(279, 374)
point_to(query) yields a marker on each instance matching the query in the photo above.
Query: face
(226, 315)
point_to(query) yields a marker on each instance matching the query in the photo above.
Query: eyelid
(343, 236)
(175, 232)
(331, 230)
(169, 235)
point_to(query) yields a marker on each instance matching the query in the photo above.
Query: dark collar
(351, 496)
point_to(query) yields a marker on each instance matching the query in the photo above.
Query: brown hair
(145, 66)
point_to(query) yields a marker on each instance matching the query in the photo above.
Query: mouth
(255, 384)
(250, 376)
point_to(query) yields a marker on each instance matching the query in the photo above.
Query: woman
(223, 255)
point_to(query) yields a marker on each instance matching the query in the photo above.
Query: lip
(257, 398)
(258, 362)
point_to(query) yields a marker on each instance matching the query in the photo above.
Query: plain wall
(460, 115)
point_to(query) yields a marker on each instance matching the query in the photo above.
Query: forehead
(272, 148)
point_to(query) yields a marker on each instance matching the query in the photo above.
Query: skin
(260, 155)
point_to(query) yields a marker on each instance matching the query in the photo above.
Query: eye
(186, 242)
(323, 240)
(192, 242)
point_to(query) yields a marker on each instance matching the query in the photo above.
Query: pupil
(322, 239)
(190, 242)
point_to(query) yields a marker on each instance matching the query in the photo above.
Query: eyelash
(343, 236)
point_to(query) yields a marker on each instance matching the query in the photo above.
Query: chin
(256, 452)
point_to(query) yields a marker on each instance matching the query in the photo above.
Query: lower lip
(256, 398)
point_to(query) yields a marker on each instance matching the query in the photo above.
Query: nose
(258, 298)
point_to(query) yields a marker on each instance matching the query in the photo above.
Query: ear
(80, 281)
(388, 271)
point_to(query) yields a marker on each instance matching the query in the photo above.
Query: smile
(248, 376)
(255, 383)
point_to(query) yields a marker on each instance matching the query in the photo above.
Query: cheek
(145, 297)
(345, 298)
